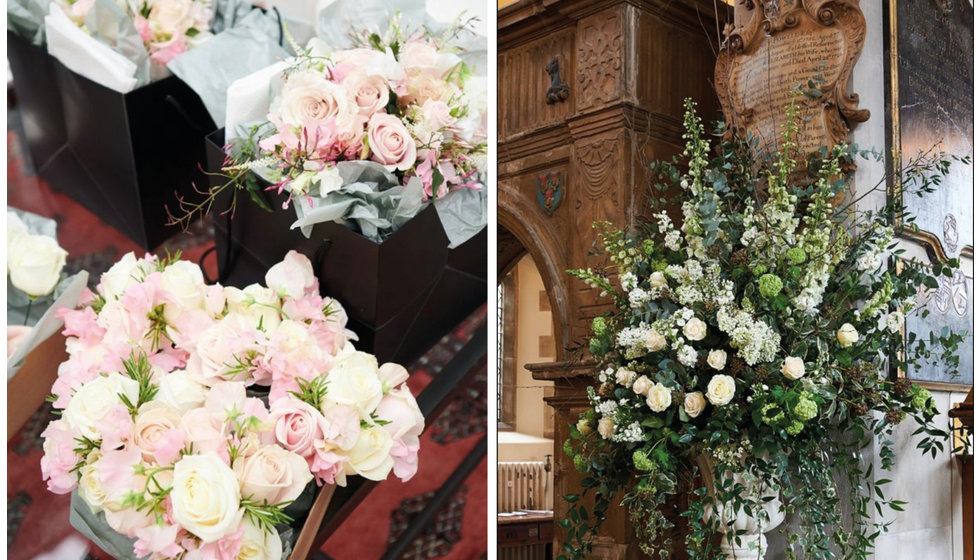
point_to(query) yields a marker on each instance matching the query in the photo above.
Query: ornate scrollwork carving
(808, 43)
(600, 60)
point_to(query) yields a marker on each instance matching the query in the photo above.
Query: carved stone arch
(539, 240)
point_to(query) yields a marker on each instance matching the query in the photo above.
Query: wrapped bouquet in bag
(380, 151)
(196, 421)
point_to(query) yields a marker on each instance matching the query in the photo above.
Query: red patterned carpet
(37, 521)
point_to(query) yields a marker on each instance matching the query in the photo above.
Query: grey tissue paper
(112, 25)
(26, 19)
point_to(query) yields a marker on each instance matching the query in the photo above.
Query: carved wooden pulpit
(590, 93)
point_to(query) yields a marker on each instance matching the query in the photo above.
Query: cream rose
(400, 409)
(205, 497)
(437, 114)
(694, 404)
(793, 368)
(658, 280)
(847, 335)
(95, 399)
(721, 390)
(370, 92)
(583, 427)
(34, 263)
(273, 475)
(309, 96)
(183, 282)
(391, 144)
(642, 385)
(606, 427)
(658, 398)
(717, 359)
(625, 377)
(258, 544)
(371, 455)
(127, 271)
(90, 488)
(695, 329)
(655, 341)
(257, 303)
(180, 391)
(153, 421)
(354, 381)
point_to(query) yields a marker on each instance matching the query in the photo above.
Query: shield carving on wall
(780, 45)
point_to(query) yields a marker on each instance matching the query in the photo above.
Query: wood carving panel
(791, 44)
(523, 82)
(600, 59)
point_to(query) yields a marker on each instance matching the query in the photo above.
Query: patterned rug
(37, 521)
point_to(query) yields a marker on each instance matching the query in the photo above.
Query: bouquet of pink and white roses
(168, 28)
(166, 428)
(370, 134)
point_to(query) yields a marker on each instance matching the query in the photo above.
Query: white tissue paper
(249, 99)
(86, 55)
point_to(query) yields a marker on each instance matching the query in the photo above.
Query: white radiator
(523, 486)
(526, 552)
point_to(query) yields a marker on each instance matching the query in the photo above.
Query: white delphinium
(633, 340)
(639, 296)
(682, 316)
(755, 340)
(628, 281)
(673, 240)
(687, 356)
(629, 434)
(607, 408)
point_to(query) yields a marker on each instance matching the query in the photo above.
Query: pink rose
(298, 425)
(143, 28)
(151, 428)
(392, 375)
(391, 144)
(310, 96)
(370, 92)
(405, 424)
(437, 114)
(273, 475)
(292, 277)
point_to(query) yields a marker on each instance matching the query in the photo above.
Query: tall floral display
(193, 416)
(744, 367)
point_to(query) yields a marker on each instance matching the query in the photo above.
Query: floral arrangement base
(128, 156)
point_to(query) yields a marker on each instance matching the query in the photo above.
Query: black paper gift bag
(38, 99)
(401, 295)
(128, 156)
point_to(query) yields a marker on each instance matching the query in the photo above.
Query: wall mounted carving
(600, 58)
(558, 92)
(787, 44)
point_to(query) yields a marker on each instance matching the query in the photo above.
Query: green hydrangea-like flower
(796, 255)
(580, 464)
(642, 462)
(770, 285)
(568, 448)
(794, 428)
(771, 419)
(599, 326)
(759, 270)
(648, 247)
(922, 399)
(805, 409)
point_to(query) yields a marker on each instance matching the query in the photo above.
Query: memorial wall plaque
(931, 54)
(785, 44)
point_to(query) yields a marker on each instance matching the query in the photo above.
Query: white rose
(354, 381)
(583, 427)
(695, 329)
(91, 490)
(642, 385)
(625, 377)
(34, 263)
(606, 427)
(292, 277)
(368, 61)
(658, 398)
(721, 390)
(655, 341)
(310, 96)
(173, 17)
(717, 359)
(95, 399)
(847, 335)
(127, 271)
(180, 391)
(658, 280)
(694, 404)
(273, 475)
(793, 368)
(420, 57)
(371, 455)
(184, 284)
(205, 497)
(258, 544)
(894, 321)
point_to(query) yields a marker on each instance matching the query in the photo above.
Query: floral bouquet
(750, 342)
(168, 28)
(368, 135)
(192, 416)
